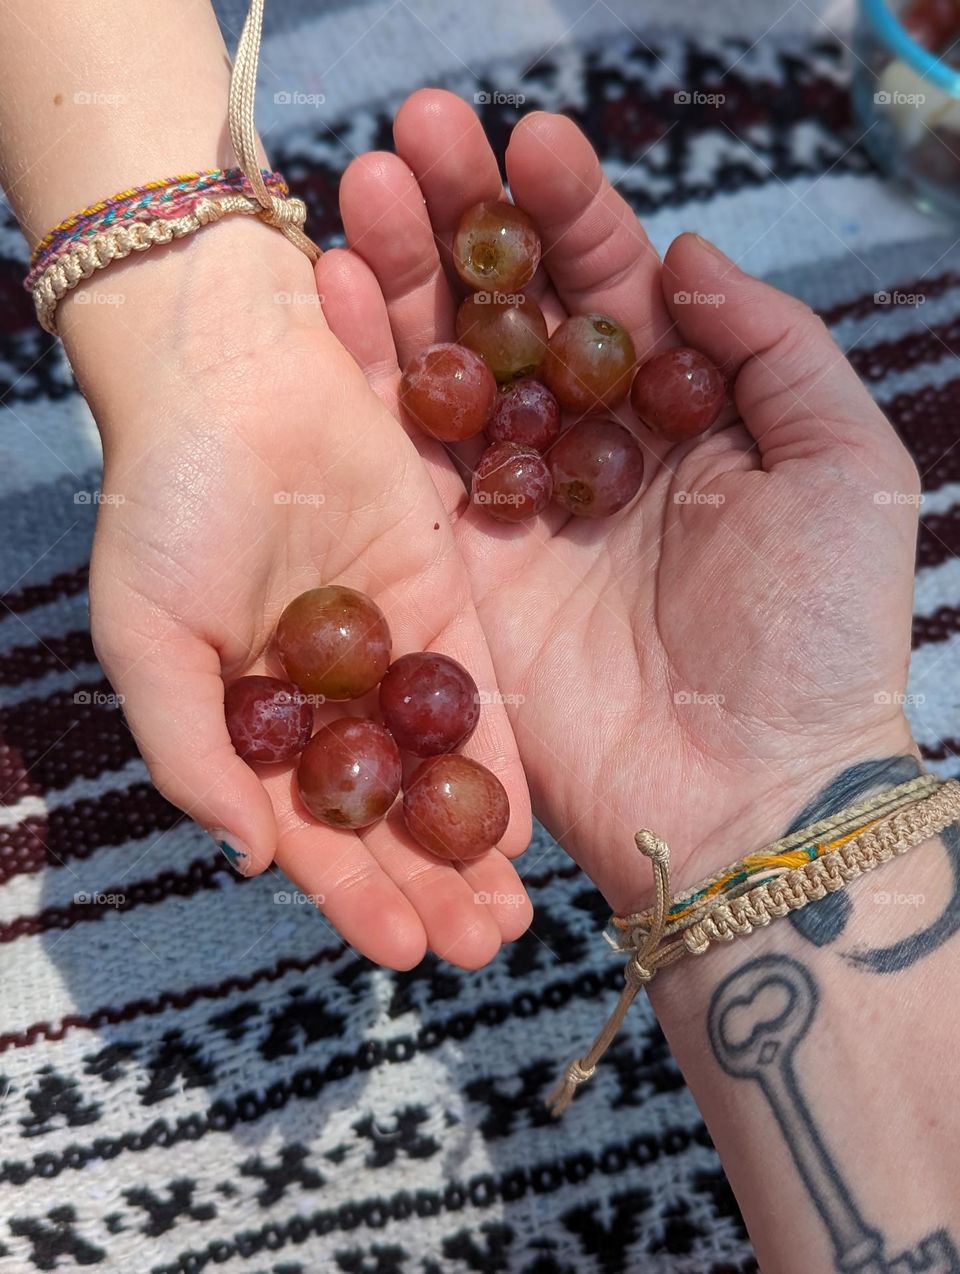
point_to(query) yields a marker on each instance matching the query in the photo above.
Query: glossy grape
(455, 807)
(526, 413)
(597, 468)
(678, 394)
(269, 720)
(588, 363)
(334, 641)
(510, 337)
(496, 247)
(511, 482)
(449, 391)
(429, 703)
(349, 773)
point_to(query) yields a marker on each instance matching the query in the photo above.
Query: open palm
(261, 465)
(741, 632)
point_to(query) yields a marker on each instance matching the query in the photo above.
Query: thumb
(171, 691)
(794, 390)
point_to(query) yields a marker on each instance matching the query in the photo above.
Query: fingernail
(234, 850)
(710, 247)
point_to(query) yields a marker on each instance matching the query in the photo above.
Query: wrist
(917, 877)
(227, 294)
(803, 789)
(837, 1030)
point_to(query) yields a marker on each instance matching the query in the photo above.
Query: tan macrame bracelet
(116, 243)
(899, 819)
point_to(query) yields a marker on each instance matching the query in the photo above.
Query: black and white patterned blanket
(195, 1074)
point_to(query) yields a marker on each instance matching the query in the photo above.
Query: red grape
(269, 720)
(526, 413)
(496, 247)
(334, 641)
(349, 773)
(510, 336)
(455, 807)
(511, 482)
(588, 363)
(597, 468)
(678, 394)
(449, 391)
(429, 703)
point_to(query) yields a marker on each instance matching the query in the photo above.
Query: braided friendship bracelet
(801, 868)
(71, 268)
(170, 208)
(169, 197)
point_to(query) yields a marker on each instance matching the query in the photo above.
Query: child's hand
(702, 663)
(253, 462)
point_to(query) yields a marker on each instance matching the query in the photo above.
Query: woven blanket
(195, 1073)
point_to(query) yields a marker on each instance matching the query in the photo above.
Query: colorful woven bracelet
(170, 208)
(169, 197)
(799, 869)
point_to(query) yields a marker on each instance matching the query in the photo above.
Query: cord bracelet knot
(652, 846)
(801, 868)
(636, 974)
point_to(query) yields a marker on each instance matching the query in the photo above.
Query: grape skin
(449, 391)
(455, 807)
(349, 773)
(496, 247)
(526, 413)
(334, 641)
(597, 468)
(510, 336)
(589, 361)
(512, 483)
(269, 720)
(678, 394)
(429, 703)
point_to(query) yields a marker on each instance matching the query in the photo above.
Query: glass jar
(906, 97)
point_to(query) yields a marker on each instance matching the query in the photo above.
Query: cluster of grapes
(592, 469)
(334, 644)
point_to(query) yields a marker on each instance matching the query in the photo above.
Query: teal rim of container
(890, 30)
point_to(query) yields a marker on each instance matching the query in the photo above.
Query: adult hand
(705, 661)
